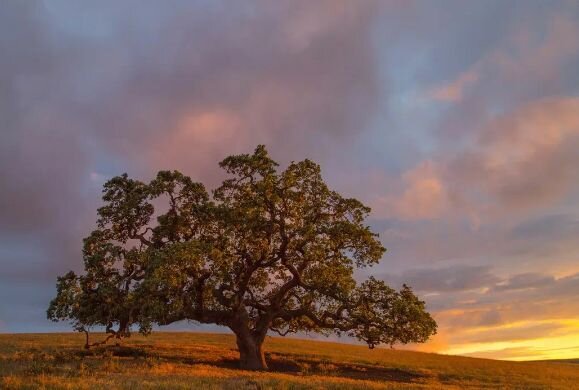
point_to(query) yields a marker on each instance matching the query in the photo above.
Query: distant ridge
(571, 361)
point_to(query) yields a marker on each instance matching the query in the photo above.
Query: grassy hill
(196, 360)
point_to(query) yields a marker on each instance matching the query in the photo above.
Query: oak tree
(269, 251)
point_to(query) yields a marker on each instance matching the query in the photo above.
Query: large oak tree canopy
(269, 251)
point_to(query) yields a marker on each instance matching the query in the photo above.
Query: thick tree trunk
(251, 356)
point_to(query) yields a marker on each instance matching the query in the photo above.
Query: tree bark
(251, 356)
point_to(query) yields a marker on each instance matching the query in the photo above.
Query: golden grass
(209, 361)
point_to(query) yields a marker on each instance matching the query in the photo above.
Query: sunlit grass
(195, 360)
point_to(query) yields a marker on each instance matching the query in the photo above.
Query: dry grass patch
(209, 361)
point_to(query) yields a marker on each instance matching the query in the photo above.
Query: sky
(456, 121)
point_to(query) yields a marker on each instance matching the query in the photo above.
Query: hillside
(197, 360)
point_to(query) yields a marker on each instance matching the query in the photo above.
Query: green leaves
(270, 250)
(63, 307)
(386, 316)
(126, 209)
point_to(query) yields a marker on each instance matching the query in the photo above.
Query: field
(208, 361)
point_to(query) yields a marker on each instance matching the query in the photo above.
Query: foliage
(269, 251)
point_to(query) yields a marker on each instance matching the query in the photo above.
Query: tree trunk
(86, 344)
(251, 356)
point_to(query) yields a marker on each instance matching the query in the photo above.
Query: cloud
(547, 227)
(524, 159)
(520, 160)
(508, 144)
(513, 124)
(88, 92)
(505, 353)
(538, 53)
(502, 112)
(516, 332)
(522, 307)
(532, 57)
(554, 347)
(425, 196)
(312, 72)
(451, 278)
(525, 281)
(453, 91)
(40, 158)
(473, 305)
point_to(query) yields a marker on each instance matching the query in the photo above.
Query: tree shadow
(307, 366)
(278, 362)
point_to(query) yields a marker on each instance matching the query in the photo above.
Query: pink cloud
(425, 196)
(454, 90)
(521, 160)
(300, 77)
(537, 58)
(529, 56)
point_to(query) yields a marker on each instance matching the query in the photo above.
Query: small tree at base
(269, 251)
